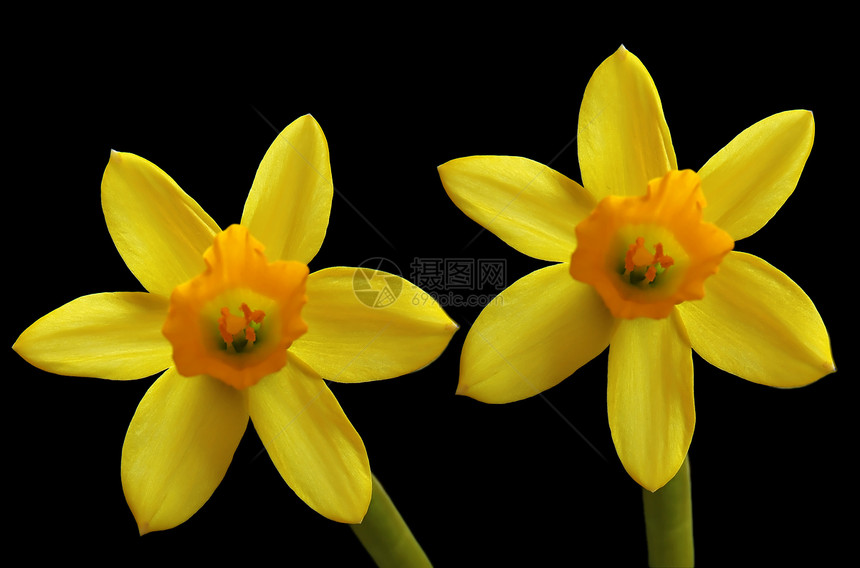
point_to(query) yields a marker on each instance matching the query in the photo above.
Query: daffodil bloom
(241, 330)
(644, 264)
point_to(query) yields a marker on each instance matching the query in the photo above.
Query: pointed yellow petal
(528, 205)
(311, 442)
(178, 447)
(532, 336)
(756, 323)
(747, 181)
(366, 324)
(158, 229)
(109, 336)
(623, 140)
(650, 398)
(290, 200)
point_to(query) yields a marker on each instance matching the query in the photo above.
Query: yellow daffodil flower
(644, 264)
(243, 331)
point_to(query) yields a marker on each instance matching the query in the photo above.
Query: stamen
(638, 257)
(650, 274)
(229, 326)
(661, 259)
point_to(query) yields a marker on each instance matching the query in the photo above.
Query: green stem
(669, 521)
(385, 535)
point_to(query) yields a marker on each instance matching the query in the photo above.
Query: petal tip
(651, 486)
(802, 114)
(359, 516)
(308, 119)
(622, 51)
(444, 167)
(462, 389)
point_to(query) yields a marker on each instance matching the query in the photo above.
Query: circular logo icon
(377, 283)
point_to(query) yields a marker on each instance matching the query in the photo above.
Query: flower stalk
(669, 521)
(385, 535)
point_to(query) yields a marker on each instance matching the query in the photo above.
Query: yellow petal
(178, 447)
(528, 205)
(311, 442)
(366, 324)
(158, 229)
(747, 181)
(623, 140)
(532, 336)
(650, 398)
(756, 323)
(109, 336)
(290, 200)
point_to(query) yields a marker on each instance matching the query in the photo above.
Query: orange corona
(633, 279)
(209, 339)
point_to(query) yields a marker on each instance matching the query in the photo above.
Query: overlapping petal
(356, 334)
(159, 230)
(178, 447)
(311, 441)
(756, 323)
(109, 336)
(289, 203)
(623, 140)
(532, 336)
(747, 181)
(528, 205)
(650, 398)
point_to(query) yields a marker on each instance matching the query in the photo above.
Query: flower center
(239, 349)
(635, 279)
(240, 332)
(642, 266)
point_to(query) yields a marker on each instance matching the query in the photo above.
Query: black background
(480, 485)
